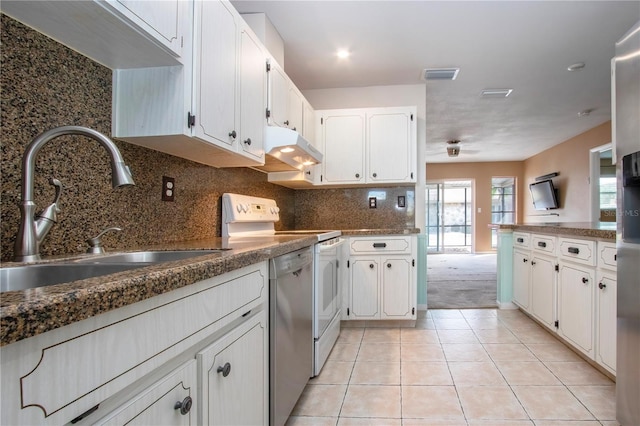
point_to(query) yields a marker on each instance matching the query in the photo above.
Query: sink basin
(32, 276)
(154, 256)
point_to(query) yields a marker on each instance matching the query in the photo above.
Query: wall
(481, 174)
(45, 85)
(571, 160)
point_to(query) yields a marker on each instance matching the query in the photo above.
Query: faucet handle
(55, 182)
(51, 211)
(95, 243)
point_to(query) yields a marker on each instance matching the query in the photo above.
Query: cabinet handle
(601, 286)
(379, 245)
(248, 141)
(233, 134)
(375, 175)
(584, 280)
(389, 265)
(574, 250)
(224, 370)
(358, 175)
(371, 265)
(184, 405)
(542, 244)
(286, 123)
(520, 240)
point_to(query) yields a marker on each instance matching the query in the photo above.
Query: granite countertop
(602, 230)
(27, 313)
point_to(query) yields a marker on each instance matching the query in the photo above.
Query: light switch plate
(373, 202)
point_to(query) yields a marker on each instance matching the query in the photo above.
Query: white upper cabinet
(116, 33)
(278, 97)
(368, 146)
(209, 110)
(343, 142)
(295, 106)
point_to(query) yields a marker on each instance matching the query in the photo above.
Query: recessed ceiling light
(440, 73)
(576, 67)
(496, 93)
(343, 53)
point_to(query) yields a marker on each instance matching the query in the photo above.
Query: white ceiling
(523, 45)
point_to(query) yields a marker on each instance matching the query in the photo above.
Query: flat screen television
(544, 195)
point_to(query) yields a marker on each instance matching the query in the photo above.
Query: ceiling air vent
(495, 93)
(440, 73)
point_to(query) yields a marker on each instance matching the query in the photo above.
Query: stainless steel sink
(42, 275)
(153, 256)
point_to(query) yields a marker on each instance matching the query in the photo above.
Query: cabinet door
(309, 124)
(168, 402)
(397, 286)
(343, 148)
(389, 147)
(543, 289)
(161, 19)
(278, 96)
(215, 69)
(295, 109)
(521, 278)
(252, 96)
(234, 376)
(606, 321)
(364, 294)
(576, 305)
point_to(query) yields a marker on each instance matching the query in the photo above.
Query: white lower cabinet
(576, 306)
(382, 278)
(168, 402)
(133, 365)
(569, 285)
(233, 376)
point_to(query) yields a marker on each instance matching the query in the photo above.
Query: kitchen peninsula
(563, 275)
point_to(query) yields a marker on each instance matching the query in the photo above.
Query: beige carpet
(457, 281)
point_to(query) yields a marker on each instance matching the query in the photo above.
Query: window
(503, 203)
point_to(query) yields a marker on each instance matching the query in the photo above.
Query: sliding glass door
(449, 216)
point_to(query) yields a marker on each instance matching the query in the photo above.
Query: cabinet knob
(601, 286)
(248, 141)
(371, 265)
(375, 175)
(233, 134)
(308, 172)
(584, 280)
(388, 265)
(358, 175)
(184, 406)
(525, 260)
(286, 123)
(225, 370)
(533, 263)
(294, 129)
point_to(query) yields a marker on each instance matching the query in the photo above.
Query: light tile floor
(457, 367)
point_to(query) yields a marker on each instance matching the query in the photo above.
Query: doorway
(449, 211)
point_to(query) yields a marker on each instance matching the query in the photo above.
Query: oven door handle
(325, 247)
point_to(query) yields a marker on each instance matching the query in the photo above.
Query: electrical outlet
(401, 201)
(168, 188)
(373, 202)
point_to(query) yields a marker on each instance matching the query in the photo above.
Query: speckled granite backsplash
(46, 85)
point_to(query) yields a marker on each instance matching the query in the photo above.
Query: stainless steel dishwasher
(291, 331)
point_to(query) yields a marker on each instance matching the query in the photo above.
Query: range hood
(287, 150)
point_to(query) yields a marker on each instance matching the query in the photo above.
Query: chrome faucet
(32, 231)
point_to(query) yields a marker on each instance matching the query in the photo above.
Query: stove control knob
(239, 208)
(277, 209)
(246, 208)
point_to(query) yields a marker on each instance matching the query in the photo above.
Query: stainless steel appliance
(252, 217)
(627, 146)
(290, 328)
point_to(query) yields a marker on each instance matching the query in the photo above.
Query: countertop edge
(574, 230)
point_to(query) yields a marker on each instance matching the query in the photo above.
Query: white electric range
(251, 217)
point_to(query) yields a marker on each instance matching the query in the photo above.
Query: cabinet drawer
(380, 245)
(521, 239)
(579, 251)
(607, 258)
(543, 243)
